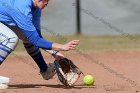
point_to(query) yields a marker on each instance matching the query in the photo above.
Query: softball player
(20, 19)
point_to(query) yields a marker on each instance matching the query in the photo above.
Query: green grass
(97, 43)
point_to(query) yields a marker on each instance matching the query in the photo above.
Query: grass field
(97, 43)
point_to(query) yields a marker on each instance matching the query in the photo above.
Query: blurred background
(60, 16)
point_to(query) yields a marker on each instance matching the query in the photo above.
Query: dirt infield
(114, 72)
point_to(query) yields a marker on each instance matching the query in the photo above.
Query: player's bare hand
(70, 45)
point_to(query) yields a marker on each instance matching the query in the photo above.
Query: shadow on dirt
(18, 86)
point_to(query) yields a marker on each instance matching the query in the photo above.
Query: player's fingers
(72, 48)
(74, 43)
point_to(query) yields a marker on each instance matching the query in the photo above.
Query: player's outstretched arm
(26, 25)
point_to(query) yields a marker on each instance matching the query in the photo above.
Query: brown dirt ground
(116, 72)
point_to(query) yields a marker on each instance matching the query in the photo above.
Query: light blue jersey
(23, 14)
